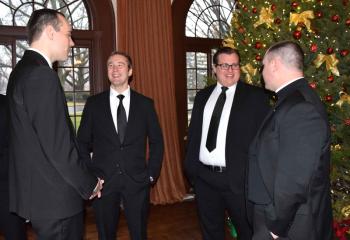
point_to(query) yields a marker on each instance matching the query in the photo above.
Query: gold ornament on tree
(343, 98)
(330, 60)
(266, 17)
(250, 71)
(303, 17)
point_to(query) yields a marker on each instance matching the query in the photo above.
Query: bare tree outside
(74, 72)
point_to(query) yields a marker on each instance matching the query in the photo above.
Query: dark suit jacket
(47, 179)
(3, 144)
(292, 155)
(97, 134)
(249, 108)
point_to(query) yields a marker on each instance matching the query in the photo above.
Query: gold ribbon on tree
(303, 17)
(250, 71)
(346, 211)
(266, 16)
(343, 98)
(331, 62)
(229, 42)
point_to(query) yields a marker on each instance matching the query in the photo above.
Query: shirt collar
(114, 93)
(229, 90)
(42, 54)
(287, 83)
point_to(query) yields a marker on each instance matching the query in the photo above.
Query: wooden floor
(169, 222)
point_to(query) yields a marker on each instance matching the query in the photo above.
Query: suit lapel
(106, 110)
(132, 114)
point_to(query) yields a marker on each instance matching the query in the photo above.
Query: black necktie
(215, 120)
(121, 119)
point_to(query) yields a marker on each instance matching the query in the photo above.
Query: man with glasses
(116, 127)
(224, 120)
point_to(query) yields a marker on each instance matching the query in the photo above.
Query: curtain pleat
(144, 30)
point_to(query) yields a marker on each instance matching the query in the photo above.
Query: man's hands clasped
(97, 189)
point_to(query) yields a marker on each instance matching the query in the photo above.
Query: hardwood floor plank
(166, 222)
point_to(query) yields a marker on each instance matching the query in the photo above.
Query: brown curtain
(144, 30)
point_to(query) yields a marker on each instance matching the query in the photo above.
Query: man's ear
(49, 32)
(130, 72)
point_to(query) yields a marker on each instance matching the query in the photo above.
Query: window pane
(21, 46)
(191, 79)
(81, 57)
(81, 79)
(70, 103)
(20, 11)
(201, 79)
(59, 5)
(202, 60)
(5, 14)
(66, 77)
(190, 98)
(209, 18)
(190, 60)
(79, 16)
(22, 14)
(5, 66)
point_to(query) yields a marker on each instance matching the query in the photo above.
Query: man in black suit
(218, 144)
(289, 161)
(11, 225)
(116, 126)
(47, 178)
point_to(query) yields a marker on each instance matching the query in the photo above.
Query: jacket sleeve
(155, 142)
(47, 110)
(302, 136)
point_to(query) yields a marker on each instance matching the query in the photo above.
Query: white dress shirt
(217, 156)
(114, 103)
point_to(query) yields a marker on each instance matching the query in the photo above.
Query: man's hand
(97, 189)
(274, 236)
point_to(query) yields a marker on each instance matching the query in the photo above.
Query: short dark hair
(225, 50)
(127, 56)
(41, 18)
(290, 52)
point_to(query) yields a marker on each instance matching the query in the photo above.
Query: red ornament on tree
(273, 7)
(277, 21)
(347, 122)
(330, 50)
(328, 98)
(258, 45)
(335, 18)
(241, 30)
(295, 4)
(345, 2)
(245, 9)
(313, 85)
(330, 78)
(297, 34)
(344, 52)
(347, 22)
(258, 57)
(254, 10)
(313, 47)
(318, 14)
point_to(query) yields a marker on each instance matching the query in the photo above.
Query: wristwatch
(151, 179)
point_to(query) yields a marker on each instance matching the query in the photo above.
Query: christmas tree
(322, 28)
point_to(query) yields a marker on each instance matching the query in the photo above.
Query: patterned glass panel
(209, 18)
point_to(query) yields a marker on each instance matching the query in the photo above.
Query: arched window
(77, 72)
(207, 22)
